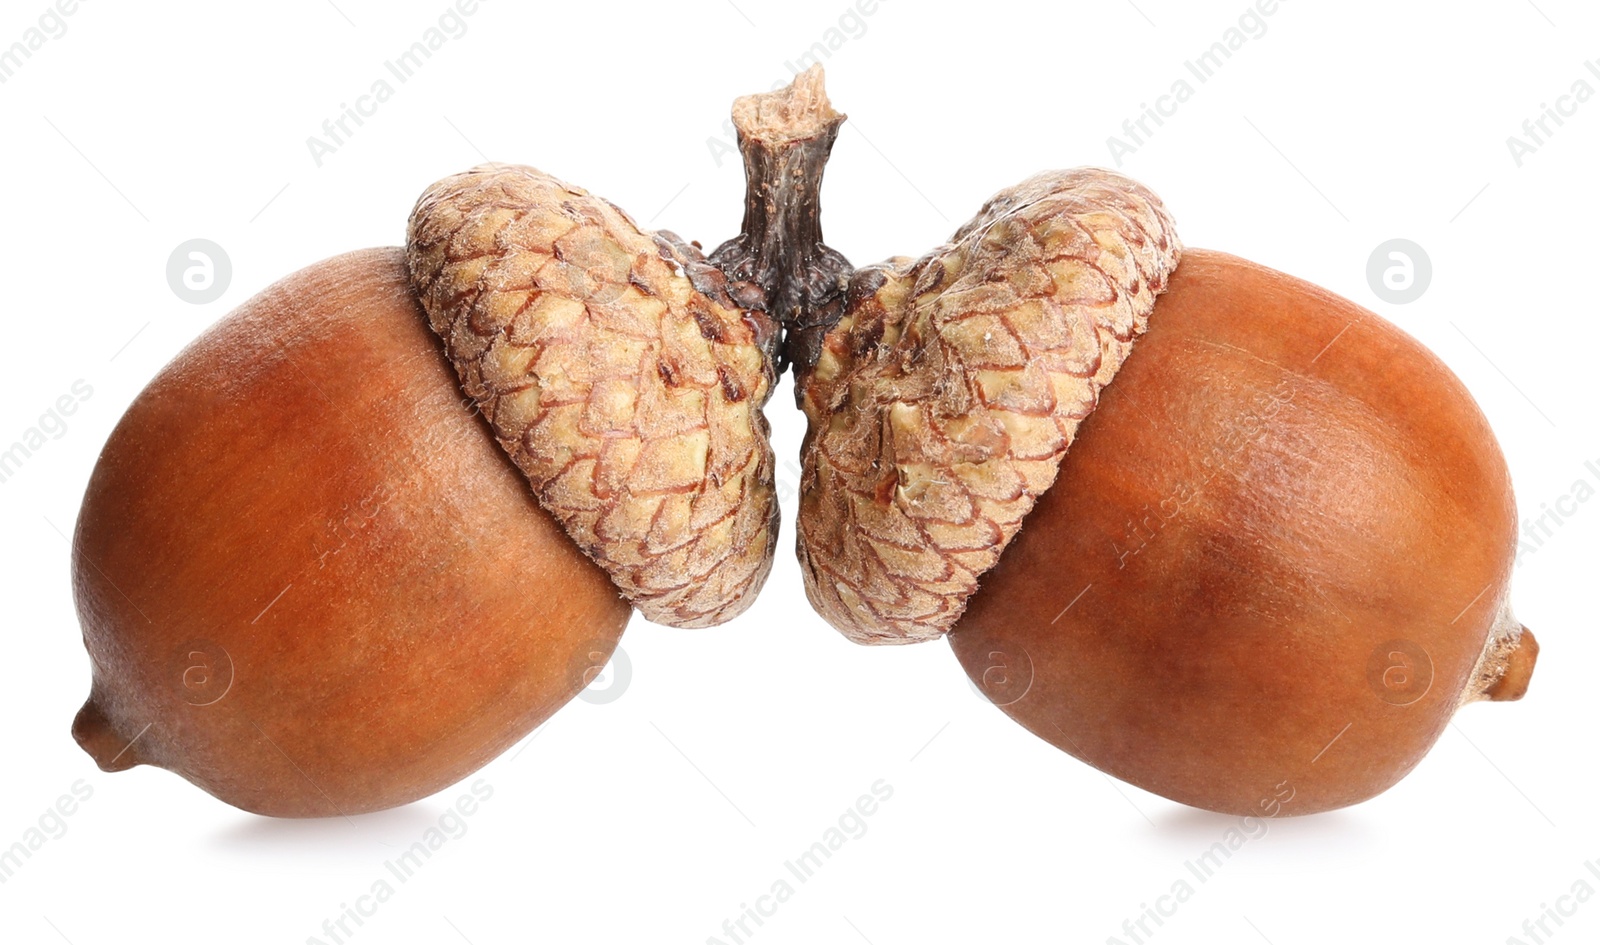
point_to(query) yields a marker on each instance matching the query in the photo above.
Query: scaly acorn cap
(618, 375)
(944, 400)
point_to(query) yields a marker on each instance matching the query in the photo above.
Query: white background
(654, 817)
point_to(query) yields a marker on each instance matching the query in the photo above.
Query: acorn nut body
(309, 580)
(1275, 559)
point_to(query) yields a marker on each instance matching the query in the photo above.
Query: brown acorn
(309, 580)
(1205, 526)
(1276, 558)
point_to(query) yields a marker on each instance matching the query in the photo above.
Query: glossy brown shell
(1270, 561)
(309, 580)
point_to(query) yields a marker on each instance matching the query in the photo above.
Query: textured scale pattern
(945, 399)
(617, 374)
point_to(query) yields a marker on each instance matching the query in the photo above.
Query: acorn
(309, 580)
(1203, 525)
(1207, 527)
(1275, 559)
